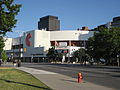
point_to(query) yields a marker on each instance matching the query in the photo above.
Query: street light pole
(31, 58)
(19, 48)
(118, 61)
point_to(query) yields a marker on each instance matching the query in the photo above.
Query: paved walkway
(61, 82)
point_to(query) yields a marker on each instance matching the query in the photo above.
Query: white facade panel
(40, 42)
(29, 48)
(42, 39)
(8, 44)
(16, 41)
(69, 35)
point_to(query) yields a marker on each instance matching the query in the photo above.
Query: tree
(51, 54)
(1, 43)
(97, 44)
(58, 56)
(4, 56)
(104, 44)
(8, 11)
(81, 55)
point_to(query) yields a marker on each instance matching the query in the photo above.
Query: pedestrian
(19, 63)
(14, 63)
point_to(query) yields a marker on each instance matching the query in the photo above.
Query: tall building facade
(50, 23)
(116, 22)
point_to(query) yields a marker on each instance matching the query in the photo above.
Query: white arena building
(35, 44)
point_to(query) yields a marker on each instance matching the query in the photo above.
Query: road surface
(107, 76)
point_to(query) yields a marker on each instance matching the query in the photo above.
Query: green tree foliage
(104, 44)
(1, 44)
(8, 11)
(82, 55)
(51, 54)
(4, 56)
(59, 56)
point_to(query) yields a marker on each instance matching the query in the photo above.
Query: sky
(72, 14)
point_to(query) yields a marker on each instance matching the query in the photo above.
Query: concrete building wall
(42, 39)
(70, 35)
(8, 44)
(40, 42)
(16, 41)
(30, 49)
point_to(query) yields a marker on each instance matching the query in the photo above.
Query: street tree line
(79, 56)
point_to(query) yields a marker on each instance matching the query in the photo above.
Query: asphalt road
(100, 75)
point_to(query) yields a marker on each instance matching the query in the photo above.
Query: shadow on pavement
(69, 80)
(72, 81)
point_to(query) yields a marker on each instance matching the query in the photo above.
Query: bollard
(80, 77)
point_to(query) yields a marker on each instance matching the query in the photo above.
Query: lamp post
(31, 58)
(118, 61)
(19, 48)
(12, 57)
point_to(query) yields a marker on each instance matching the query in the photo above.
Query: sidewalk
(61, 82)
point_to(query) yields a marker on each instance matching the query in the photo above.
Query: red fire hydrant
(80, 77)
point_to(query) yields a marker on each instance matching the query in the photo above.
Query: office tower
(50, 23)
(116, 22)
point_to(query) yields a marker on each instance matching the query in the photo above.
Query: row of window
(17, 46)
(81, 43)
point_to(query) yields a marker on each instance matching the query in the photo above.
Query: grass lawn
(13, 79)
